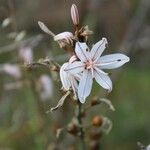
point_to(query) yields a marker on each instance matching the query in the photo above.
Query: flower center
(89, 64)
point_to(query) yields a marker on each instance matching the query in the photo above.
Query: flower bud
(75, 15)
(26, 55)
(12, 70)
(97, 121)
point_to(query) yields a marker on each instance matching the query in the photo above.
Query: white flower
(148, 147)
(26, 54)
(91, 64)
(69, 80)
(12, 70)
(46, 87)
(64, 38)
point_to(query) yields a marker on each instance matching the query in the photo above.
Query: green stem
(81, 134)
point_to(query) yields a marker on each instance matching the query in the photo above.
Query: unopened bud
(75, 14)
(97, 121)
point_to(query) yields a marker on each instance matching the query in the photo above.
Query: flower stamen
(89, 64)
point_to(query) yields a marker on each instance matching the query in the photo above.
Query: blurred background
(26, 94)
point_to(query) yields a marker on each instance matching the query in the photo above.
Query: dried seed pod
(83, 113)
(72, 129)
(95, 101)
(95, 134)
(94, 145)
(83, 34)
(75, 15)
(86, 31)
(55, 68)
(97, 121)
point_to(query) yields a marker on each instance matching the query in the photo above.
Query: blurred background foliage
(24, 123)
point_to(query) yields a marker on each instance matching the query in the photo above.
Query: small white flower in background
(45, 28)
(20, 36)
(64, 38)
(6, 22)
(75, 14)
(12, 70)
(46, 87)
(143, 147)
(69, 80)
(26, 54)
(148, 147)
(91, 64)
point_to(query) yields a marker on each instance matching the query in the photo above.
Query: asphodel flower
(26, 54)
(12, 70)
(64, 38)
(91, 64)
(69, 81)
(45, 86)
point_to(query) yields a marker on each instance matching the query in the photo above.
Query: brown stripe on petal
(72, 68)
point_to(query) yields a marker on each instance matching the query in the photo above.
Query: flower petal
(64, 77)
(73, 59)
(75, 67)
(63, 35)
(74, 85)
(78, 76)
(45, 28)
(81, 51)
(113, 61)
(98, 49)
(103, 80)
(100, 71)
(85, 86)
